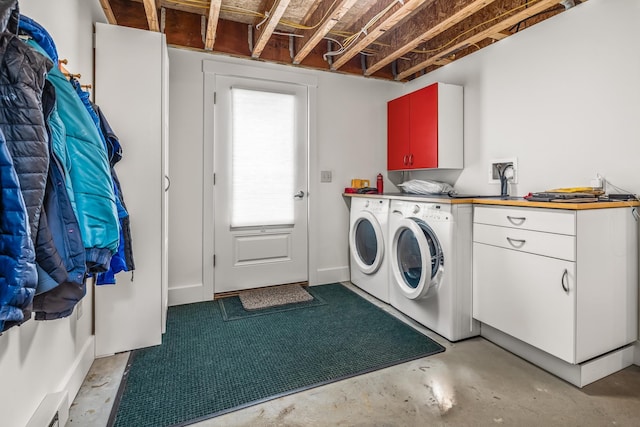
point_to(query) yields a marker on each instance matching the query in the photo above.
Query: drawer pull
(565, 281)
(405, 160)
(516, 220)
(516, 243)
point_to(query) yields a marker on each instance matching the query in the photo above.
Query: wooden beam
(264, 33)
(499, 36)
(437, 17)
(331, 19)
(476, 35)
(152, 14)
(403, 11)
(108, 12)
(212, 24)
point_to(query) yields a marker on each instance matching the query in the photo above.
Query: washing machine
(367, 245)
(430, 265)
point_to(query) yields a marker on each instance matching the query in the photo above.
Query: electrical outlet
(325, 176)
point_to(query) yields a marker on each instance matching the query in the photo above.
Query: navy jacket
(22, 77)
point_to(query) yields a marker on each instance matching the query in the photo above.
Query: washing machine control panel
(428, 211)
(377, 206)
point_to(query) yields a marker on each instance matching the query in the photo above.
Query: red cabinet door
(424, 128)
(398, 133)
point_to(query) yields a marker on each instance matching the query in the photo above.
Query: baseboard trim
(579, 375)
(332, 275)
(57, 404)
(79, 369)
(186, 294)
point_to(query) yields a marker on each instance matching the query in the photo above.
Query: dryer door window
(418, 260)
(366, 243)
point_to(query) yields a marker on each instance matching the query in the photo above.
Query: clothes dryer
(367, 244)
(430, 266)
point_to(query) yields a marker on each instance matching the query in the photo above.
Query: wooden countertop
(497, 201)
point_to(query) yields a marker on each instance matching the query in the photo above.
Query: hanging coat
(59, 224)
(22, 77)
(123, 259)
(17, 259)
(90, 176)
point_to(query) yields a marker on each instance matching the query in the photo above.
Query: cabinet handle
(410, 159)
(405, 160)
(516, 243)
(168, 183)
(516, 220)
(565, 276)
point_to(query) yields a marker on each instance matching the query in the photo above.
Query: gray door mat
(256, 299)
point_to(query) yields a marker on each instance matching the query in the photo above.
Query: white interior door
(260, 192)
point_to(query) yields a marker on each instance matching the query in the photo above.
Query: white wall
(38, 358)
(350, 141)
(562, 97)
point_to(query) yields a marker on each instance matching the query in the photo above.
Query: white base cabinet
(563, 282)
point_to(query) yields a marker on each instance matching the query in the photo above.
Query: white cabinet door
(129, 90)
(525, 296)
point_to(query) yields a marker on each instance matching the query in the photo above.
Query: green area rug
(206, 366)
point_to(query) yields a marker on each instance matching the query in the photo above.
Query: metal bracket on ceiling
(163, 18)
(394, 69)
(363, 63)
(250, 38)
(329, 57)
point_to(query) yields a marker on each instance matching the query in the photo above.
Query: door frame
(211, 69)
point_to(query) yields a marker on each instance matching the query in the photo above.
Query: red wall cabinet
(425, 129)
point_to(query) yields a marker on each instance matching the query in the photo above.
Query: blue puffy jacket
(17, 258)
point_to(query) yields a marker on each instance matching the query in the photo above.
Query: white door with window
(260, 141)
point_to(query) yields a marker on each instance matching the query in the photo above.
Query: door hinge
(214, 97)
(214, 179)
(214, 260)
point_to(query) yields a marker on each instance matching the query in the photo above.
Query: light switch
(325, 176)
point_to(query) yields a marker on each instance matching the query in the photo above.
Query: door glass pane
(366, 242)
(409, 258)
(263, 129)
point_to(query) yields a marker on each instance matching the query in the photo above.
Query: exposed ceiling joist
(108, 12)
(402, 39)
(400, 13)
(329, 13)
(499, 36)
(266, 29)
(436, 17)
(475, 34)
(152, 14)
(212, 24)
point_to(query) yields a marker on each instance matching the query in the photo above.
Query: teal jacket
(89, 170)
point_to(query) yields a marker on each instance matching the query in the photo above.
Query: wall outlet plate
(493, 172)
(325, 176)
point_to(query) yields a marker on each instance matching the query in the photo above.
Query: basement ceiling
(388, 39)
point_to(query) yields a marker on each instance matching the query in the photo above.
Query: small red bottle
(379, 184)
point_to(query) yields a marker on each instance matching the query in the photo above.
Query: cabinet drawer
(535, 242)
(523, 295)
(551, 221)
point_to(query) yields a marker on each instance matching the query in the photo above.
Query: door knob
(299, 195)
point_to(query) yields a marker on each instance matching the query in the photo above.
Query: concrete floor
(473, 383)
